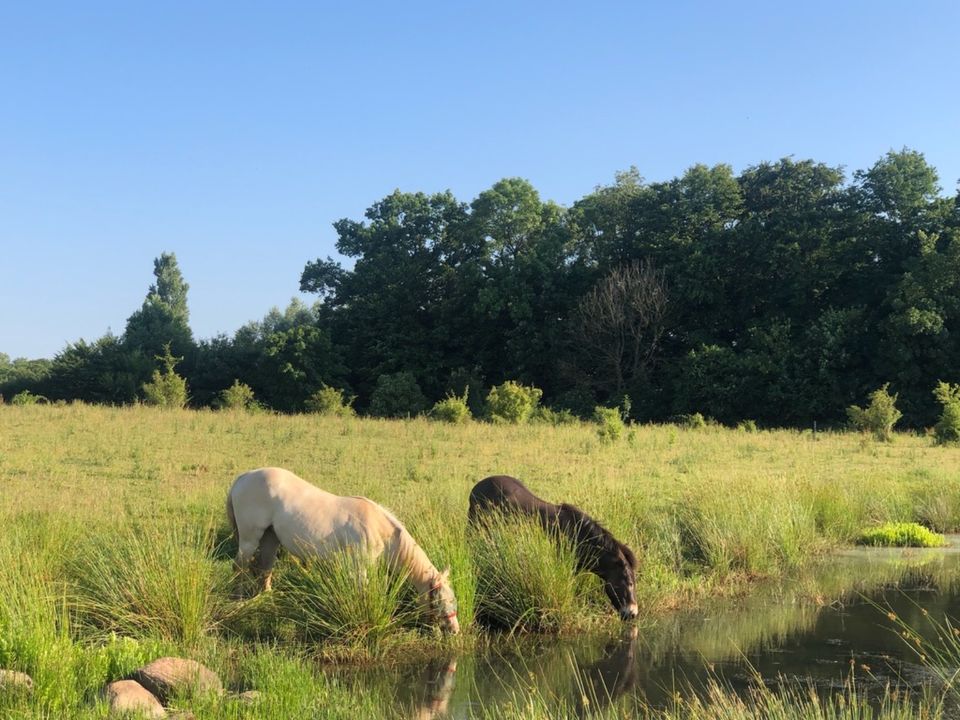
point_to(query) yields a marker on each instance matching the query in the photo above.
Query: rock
(13, 680)
(248, 697)
(130, 697)
(168, 676)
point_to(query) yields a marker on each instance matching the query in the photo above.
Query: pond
(823, 628)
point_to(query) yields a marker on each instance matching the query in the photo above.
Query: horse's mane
(597, 534)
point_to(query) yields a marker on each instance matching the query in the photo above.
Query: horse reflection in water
(436, 684)
(581, 679)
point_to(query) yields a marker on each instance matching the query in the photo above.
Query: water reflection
(819, 628)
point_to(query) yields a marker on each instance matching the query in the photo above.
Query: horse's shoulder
(374, 512)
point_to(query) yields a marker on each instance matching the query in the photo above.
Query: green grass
(901, 535)
(115, 549)
(526, 581)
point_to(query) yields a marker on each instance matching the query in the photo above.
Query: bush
(511, 402)
(901, 535)
(238, 396)
(879, 416)
(452, 409)
(748, 426)
(610, 423)
(167, 389)
(330, 401)
(25, 397)
(947, 429)
(397, 395)
(549, 416)
(695, 421)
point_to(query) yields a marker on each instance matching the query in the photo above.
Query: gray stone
(169, 676)
(128, 697)
(248, 697)
(13, 680)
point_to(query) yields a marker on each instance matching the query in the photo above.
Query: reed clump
(526, 578)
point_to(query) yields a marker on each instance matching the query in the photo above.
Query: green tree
(163, 318)
(947, 429)
(397, 395)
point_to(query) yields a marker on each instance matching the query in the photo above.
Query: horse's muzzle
(629, 612)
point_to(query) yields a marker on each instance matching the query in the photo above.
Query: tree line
(782, 294)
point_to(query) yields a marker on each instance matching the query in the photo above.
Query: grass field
(115, 546)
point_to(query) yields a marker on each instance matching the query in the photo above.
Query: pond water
(819, 628)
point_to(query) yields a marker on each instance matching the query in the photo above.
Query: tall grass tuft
(155, 581)
(345, 598)
(526, 580)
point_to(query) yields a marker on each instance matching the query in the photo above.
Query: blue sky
(234, 134)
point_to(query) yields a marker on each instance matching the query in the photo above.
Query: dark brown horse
(596, 549)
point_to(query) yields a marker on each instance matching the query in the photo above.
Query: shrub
(238, 396)
(879, 416)
(748, 426)
(511, 402)
(610, 423)
(549, 416)
(167, 389)
(452, 409)
(947, 429)
(330, 401)
(901, 535)
(25, 397)
(397, 395)
(694, 421)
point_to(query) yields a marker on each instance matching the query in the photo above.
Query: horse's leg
(267, 556)
(248, 542)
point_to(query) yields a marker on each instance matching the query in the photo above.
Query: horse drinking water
(596, 549)
(271, 507)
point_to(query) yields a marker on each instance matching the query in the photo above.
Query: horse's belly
(305, 538)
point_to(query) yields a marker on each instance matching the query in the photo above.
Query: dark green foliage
(783, 293)
(397, 395)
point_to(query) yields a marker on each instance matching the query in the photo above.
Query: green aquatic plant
(901, 535)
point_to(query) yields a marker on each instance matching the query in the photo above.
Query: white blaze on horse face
(445, 603)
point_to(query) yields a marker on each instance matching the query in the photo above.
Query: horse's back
(305, 518)
(502, 492)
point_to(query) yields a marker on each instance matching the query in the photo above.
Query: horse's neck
(410, 556)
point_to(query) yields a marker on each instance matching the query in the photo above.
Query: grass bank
(116, 549)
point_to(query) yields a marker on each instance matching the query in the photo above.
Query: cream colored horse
(271, 507)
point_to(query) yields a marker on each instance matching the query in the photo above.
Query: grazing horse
(596, 549)
(271, 507)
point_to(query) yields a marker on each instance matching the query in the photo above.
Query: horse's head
(617, 570)
(443, 604)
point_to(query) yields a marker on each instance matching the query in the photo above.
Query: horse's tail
(231, 516)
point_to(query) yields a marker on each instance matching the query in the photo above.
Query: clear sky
(235, 133)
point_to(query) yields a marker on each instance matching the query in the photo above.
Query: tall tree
(163, 318)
